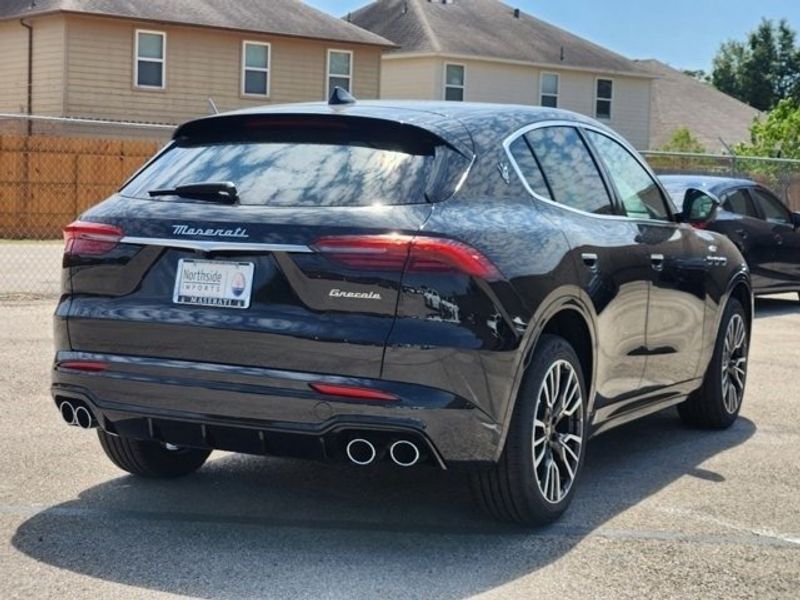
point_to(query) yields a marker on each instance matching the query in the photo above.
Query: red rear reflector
(347, 391)
(83, 365)
(415, 254)
(82, 237)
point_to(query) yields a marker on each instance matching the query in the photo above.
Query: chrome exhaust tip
(67, 413)
(361, 452)
(84, 418)
(404, 453)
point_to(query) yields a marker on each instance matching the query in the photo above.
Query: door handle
(657, 261)
(778, 239)
(742, 233)
(590, 260)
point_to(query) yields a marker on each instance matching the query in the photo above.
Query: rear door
(742, 223)
(261, 282)
(676, 269)
(784, 237)
(612, 267)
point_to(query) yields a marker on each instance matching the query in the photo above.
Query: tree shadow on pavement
(254, 527)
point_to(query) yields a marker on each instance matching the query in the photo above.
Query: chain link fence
(51, 170)
(782, 176)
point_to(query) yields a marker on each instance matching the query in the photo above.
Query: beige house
(161, 61)
(487, 51)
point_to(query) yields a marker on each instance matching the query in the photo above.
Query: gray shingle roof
(681, 101)
(485, 28)
(281, 17)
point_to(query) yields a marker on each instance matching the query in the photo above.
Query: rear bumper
(266, 411)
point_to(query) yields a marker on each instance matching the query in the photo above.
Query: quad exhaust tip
(404, 453)
(361, 452)
(76, 416)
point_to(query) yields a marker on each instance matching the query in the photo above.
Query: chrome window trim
(206, 246)
(579, 125)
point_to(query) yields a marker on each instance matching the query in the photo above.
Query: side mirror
(699, 206)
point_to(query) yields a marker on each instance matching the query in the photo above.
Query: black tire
(510, 491)
(707, 407)
(151, 459)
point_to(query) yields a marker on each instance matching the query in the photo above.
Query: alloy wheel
(734, 364)
(558, 431)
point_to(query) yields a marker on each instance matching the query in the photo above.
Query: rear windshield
(313, 162)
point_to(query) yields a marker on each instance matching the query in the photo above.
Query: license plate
(212, 283)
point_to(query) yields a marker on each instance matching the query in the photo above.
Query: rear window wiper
(223, 192)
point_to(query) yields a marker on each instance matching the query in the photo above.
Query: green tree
(762, 70)
(683, 140)
(777, 135)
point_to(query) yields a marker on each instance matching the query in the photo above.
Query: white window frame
(462, 87)
(245, 68)
(557, 95)
(328, 73)
(610, 100)
(162, 60)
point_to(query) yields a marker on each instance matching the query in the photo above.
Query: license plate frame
(214, 283)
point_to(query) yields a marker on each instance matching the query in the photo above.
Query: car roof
(469, 126)
(713, 184)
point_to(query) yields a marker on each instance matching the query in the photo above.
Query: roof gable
(280, 17)
(487, 29)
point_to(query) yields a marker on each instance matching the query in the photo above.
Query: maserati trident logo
(186, 230)
(337, 293)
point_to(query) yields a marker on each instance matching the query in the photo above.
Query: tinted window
(528, 166)
(570, 169)
(333, 163)
(740, 203)
(773, 210)
(640, 195)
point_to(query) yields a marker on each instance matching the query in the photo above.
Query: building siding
(48, 66)
(200, 63)
(422, 78)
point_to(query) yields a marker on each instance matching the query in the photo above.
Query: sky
(684, 33)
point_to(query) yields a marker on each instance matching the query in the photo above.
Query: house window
(454, 82)
(549, 90)
(605, 93)
(255, 68)
(340, 70)
(151, 52)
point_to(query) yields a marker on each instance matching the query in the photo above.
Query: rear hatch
(272, 261)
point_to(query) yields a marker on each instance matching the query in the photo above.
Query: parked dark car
(465, 286)
(764, 229)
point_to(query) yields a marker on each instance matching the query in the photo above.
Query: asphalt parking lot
(663, 511)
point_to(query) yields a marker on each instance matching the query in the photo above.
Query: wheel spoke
(557, 431)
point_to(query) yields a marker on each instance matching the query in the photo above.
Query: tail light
(85, 238)
(415, 254)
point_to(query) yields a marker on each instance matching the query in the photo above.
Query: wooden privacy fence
(47, 181)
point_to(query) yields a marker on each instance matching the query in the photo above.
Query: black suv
(464, 286)
(763, 228)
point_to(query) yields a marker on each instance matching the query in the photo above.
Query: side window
(151, 56)
(340, 70)
(604, 96)
(549, 85)
(772, 208)
(739, 202)
(639, 192)
(454, 82)
(570, 170)
(528, 167)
